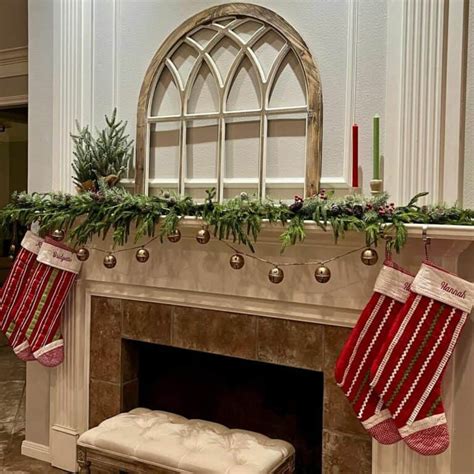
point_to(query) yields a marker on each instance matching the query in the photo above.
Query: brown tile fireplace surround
(114, 372)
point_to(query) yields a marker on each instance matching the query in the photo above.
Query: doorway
(13, 170)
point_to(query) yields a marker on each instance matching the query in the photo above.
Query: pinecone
(297, 205)
(335, 210)
(358, 211)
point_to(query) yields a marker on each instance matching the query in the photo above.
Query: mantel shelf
(438, 231)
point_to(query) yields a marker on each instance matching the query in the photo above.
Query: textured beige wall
(13, 86)
(13, 23)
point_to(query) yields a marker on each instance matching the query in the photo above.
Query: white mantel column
(424, 95)
(73, 20)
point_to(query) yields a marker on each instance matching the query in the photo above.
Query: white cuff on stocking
(444, 287)
(32, 242)
(393, 283)
(58, 257)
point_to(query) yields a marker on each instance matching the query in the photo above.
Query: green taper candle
(375, 147)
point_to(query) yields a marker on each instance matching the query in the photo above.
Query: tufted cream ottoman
(156, 441)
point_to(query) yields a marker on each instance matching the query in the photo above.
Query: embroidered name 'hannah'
(62, 257)
(450, 289)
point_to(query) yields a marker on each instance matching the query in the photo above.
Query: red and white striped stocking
(353, 365)
(408, 370)
(14, 289)
(39, 333)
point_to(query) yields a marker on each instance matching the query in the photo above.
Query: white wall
(126, 34)
(102, 64)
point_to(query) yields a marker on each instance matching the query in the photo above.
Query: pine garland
(116, 211)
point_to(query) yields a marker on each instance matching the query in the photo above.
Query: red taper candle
(355, 156)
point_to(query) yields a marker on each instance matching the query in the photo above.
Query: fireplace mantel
(194, 275)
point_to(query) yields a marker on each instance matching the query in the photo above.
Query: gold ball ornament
(12, 251)
(237, 261)
(142, 255)
(57, 235)
(110, 261)
(175, 236)
(369, 256)
(82, 254)
(276, 275)
(203, 236)
(322, 274)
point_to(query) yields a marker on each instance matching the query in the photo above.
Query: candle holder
(376, 186)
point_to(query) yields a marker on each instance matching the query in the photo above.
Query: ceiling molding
(14, 62)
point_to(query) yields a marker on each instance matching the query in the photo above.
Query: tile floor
(12, 416)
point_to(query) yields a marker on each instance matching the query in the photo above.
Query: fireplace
(269, 375)
(278, 401)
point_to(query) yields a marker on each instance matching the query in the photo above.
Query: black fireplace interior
(278, 401)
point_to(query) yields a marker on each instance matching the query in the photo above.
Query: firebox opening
(278, 401)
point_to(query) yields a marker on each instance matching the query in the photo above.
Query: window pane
(244, 92)
(157, 190)
(164, 150)
(230, 193)
(198, 193)
(184, 58)
(203, 36)
(201, 144)
(224, 54)
(289, 88)
(204, 94)
(267, 48)
(286, 148)
(166, 100)
(246, 30)
(242, 146)
(278, 193)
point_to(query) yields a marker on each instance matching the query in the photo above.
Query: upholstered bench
(156, 441)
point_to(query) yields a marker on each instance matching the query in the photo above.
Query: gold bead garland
(82, 254)
(57, 235)
(276, 275)
(175, 236)
(237, 261)
(369, 256)
(322, 273)
(142, 255)
(203, 236)
(110, 261)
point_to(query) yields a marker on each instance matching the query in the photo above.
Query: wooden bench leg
(84, 464)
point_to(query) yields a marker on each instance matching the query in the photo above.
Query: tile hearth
(113, 365)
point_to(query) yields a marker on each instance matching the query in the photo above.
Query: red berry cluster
(386, 210)
(322, 195)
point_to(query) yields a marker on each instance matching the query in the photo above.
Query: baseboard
(35, 451)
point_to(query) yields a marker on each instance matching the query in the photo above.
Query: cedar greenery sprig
(116, 211)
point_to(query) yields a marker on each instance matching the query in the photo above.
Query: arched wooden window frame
(312, 80)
